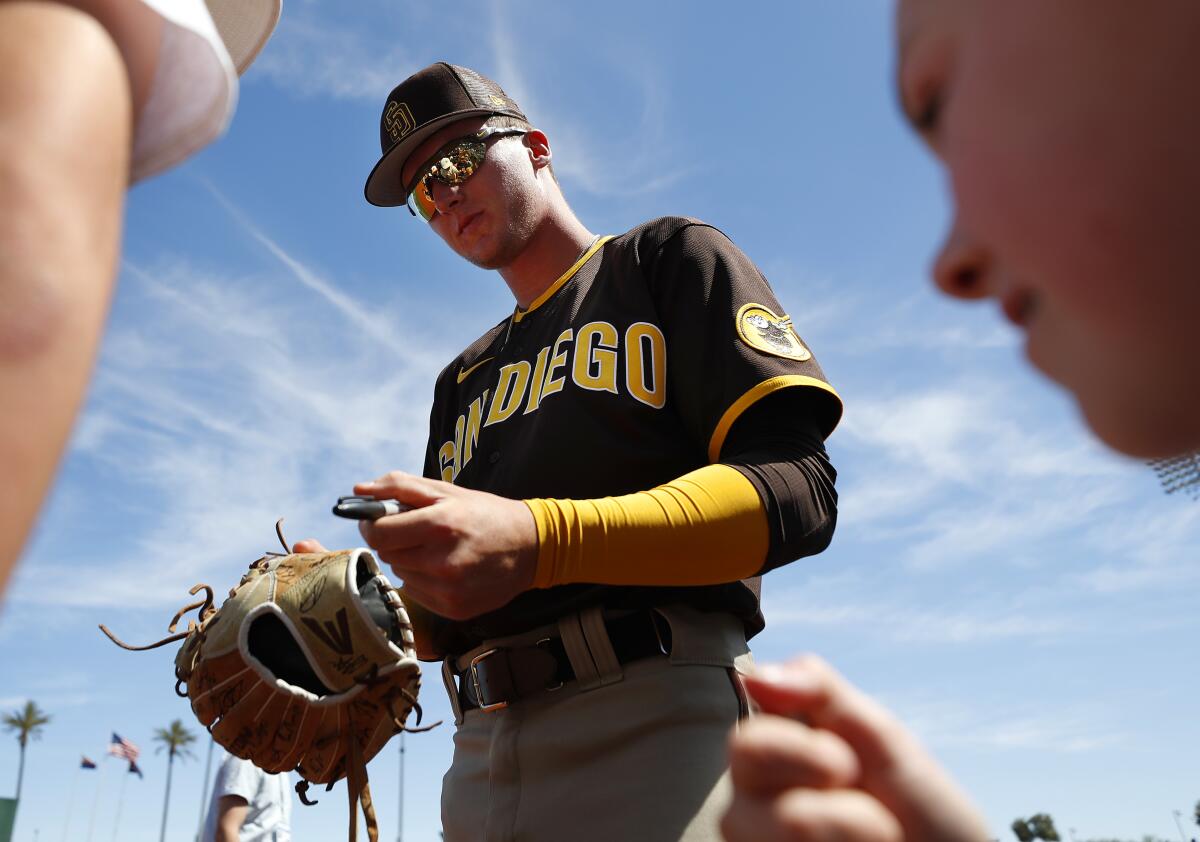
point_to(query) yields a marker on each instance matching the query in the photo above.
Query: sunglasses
(453, 164)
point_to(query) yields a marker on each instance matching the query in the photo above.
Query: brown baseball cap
(418, 107)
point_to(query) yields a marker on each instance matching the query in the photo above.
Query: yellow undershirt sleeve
(704, 528)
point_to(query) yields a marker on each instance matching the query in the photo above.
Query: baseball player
(96, 94)
(1073, 175)
(610, 468)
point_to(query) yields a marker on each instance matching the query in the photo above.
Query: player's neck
(554, 247)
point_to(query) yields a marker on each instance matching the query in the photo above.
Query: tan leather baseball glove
(308, 665)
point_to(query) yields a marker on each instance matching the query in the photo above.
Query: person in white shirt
(248, 805)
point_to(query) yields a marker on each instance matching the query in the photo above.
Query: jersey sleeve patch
(764, 331)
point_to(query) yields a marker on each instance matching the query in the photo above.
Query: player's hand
(461, 553)
(828, 762)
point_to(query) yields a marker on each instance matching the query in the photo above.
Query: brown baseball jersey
(627, 373)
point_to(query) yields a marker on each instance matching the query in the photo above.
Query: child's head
(1071, 134)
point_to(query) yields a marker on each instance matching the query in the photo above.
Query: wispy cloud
(229, 404)
(379, 327)
(54, 691)
(912, 623)
(1156, 547)
(952, 724)
(954, 473)
(919, 322)
(633, 164)
(310, 58)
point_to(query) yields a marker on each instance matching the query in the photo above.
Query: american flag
(123, 748)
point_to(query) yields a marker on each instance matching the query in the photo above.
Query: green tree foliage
(175, 739)
(1043, 827)
(25, 722)
(1037, 826)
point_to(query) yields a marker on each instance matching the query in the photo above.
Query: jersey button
(494, 457)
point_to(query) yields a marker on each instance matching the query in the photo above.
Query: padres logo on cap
(764, 331)
(399, 120)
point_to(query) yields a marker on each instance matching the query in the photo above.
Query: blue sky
(1020, 597)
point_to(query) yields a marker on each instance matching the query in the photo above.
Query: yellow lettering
(557, 361)
(595, 364)
(471, 435)
(458, 442)
(642, 339)
(535, 383)
(446, 461)
(510, 389)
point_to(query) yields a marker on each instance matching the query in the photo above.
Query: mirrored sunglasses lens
(455, 164)
(458, 163)
(423, 201)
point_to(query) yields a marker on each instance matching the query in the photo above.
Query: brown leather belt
(498, 677)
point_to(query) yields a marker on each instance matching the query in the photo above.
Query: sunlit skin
(825, 761)
(231, 813)
(1069, 134)
(1068, 130)
(65, 65)
(510, 215)
(490, 218)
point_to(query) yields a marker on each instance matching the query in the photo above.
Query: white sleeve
(238, 777)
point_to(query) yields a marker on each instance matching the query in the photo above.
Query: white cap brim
(245, 26)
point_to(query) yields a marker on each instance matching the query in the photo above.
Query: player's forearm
(778, 446)
(769, 502)
(797, 489)
(707, 527)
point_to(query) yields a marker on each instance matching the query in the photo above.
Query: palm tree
(1039, 826)
(175, 739)
(26, 722)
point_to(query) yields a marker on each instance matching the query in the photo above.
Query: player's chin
(486, 254)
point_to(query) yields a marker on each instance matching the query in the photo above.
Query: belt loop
(575, 645)
(715, 639)
(608, 668)
(452, 689)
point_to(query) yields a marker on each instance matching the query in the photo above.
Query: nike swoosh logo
(464, 373)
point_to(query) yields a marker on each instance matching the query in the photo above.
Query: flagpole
(120, 803)
(71, 800)
(96, 802)
(400, 812)
(204, 789)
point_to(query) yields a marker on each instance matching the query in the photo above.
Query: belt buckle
(474, 670)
